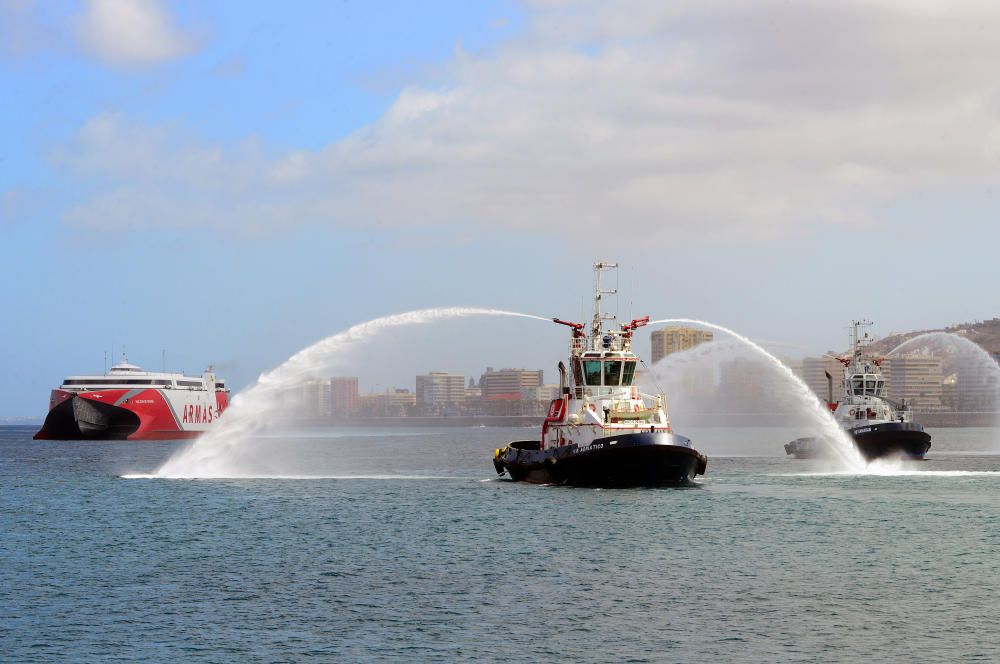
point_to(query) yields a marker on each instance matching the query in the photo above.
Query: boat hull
(874, 441)
(631, 459)
(891, 439)
(138, 414)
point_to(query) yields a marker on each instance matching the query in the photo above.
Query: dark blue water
(761, 563)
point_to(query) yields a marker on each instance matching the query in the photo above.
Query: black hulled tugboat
(879, 427)
(602, 430)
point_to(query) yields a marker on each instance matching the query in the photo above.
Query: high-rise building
(541, 393)
(439, 389)
(508, 381)
(344, 398)
(673, 339)
(315, 395)
(917, 378)
(970, 385)
(813, 374)
(394, 402)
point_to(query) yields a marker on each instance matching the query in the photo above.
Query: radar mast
(599, 317)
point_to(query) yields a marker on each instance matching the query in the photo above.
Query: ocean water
(410, 550)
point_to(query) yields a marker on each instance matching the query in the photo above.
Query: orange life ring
(593, 408)
(636, 408)
(852, 411)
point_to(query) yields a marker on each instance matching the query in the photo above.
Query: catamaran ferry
(128, 403)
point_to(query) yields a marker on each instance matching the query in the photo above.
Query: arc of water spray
(974, 349)
(957, 339)
(845, 449)
(215, 454)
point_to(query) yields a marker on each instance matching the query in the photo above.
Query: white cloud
(132, 32)
(711, 120)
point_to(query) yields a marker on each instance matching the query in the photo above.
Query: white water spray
(847, 453)
(954, 345)
(956, 341)
(222, 452)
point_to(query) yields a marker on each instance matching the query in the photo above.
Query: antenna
(598, 294)
(631, 291)
(618, 297)
(856, 339)
(105, 362)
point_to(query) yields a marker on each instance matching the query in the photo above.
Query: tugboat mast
(596, 331)
(857, 341)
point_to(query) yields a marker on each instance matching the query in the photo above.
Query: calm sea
(412, 551)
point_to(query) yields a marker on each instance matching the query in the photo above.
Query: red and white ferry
(129, 403)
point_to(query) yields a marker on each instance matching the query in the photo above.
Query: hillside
(985, 333)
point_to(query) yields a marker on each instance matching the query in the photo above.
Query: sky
(229, 182)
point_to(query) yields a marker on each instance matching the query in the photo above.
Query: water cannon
(636, 323)
(577, 327)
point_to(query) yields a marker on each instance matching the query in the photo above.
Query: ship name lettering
(196, 414)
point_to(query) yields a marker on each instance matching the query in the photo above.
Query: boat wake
(896, 472)
(157, 476)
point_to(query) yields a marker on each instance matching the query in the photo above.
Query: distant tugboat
(878, 426)
(602, 431)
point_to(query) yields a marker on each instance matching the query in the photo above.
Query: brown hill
(986, 333)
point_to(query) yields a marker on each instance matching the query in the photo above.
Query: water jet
(225, 452)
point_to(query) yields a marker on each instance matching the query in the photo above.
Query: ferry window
(592, 370)
(109, 381)
(612, 372)
(629, 373)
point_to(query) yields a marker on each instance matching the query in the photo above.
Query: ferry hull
(127, 415)
(79, 419)
(634, 459)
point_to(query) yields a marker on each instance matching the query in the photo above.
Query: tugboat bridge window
(867, 385)
(629, 373)
(612, 373)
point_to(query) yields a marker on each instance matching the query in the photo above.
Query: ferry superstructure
(603, 430)
(128, 403)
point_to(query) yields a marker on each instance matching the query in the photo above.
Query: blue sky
(233, 181)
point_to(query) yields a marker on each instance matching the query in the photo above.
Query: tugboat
(879, 426)
(603, 431)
